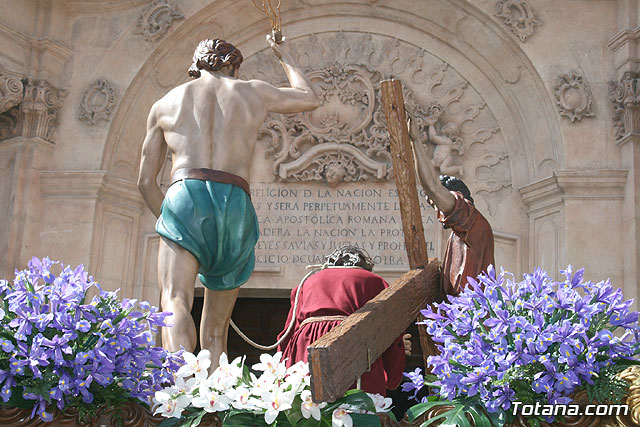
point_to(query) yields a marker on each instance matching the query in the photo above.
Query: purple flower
(59, 345)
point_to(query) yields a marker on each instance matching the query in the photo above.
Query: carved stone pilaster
(36, 114)
(573, 97)
(625, 97)
(518, 16)
(98, 102)
(156, 19)
(11, 92)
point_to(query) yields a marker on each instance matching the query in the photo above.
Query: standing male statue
(470, 246)
(206, 220)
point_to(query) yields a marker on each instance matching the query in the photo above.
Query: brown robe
(470, 247)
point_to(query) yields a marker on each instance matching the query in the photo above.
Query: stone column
(26, 139)
(624, 96)
(567, 213)
(624, 93)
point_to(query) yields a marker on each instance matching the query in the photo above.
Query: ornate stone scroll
(98, 102)
(625, 97)
(518, 16)
(573, 97)
(156, 19)
(36, 115)
(11, 92)
(346, 140)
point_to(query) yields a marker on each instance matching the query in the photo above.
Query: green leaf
(462, 411)
(17, 401)
(197, 420)
(358, 399)
(243, 419)
(365, 420)
(169, 422)
(312, 422)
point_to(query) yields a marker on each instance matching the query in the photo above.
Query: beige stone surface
(555, 191)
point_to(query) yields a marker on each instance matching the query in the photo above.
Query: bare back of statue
(210, 123)
(206, 220)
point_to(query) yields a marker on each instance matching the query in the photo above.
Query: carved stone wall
(98, 102)
(32, 108)
(156, 19)
(345, 140)
(573, 97)
(489, 80)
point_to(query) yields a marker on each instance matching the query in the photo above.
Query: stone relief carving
(37, 115)
(11, 92)
(346, 139)
(156, 19)
(518, 16)
(446, 140)
(573, 97)
(98, 102)
(625, 97)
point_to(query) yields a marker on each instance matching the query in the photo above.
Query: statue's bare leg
(177, 270)
(214, 326)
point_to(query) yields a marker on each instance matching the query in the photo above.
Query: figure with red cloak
(326, 298)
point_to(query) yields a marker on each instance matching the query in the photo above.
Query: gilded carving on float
(156, 20)
(573, 97)
(98, 102)
(518, 16)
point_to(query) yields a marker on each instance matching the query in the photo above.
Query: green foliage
(463, 412)
(607, 387)
(112, 397)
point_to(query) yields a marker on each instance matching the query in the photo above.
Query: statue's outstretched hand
(279, 49)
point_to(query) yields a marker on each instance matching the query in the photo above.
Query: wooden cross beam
(339, 358)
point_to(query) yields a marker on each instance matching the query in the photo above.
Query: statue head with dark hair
(349, 256)
(452, 183)
(212, 55)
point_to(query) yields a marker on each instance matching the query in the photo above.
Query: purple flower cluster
(548, 337)
(58, 349)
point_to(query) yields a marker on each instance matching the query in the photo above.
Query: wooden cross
(340, 357)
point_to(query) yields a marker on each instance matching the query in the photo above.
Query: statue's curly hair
(452, 183)
(212, 55)
(349, 255)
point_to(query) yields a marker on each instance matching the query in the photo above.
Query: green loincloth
(216, 222)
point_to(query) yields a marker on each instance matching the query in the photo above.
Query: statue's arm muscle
(429, 180)
(154, 151)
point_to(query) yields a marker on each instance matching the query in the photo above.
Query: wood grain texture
(404, 171)
(339, 358)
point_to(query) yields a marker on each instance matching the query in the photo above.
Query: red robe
(470, 247)
(334, 292)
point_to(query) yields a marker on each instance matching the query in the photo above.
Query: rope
(314, 269)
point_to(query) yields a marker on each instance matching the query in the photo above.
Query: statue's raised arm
(206, 220)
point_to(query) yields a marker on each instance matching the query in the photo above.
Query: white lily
(271, 365)
(196, 366)
(210, 400)
(170, 406)
(309, 408)
(298, 376)
(382, 404)
(341, 417)
(276, 402)
(227, 375)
